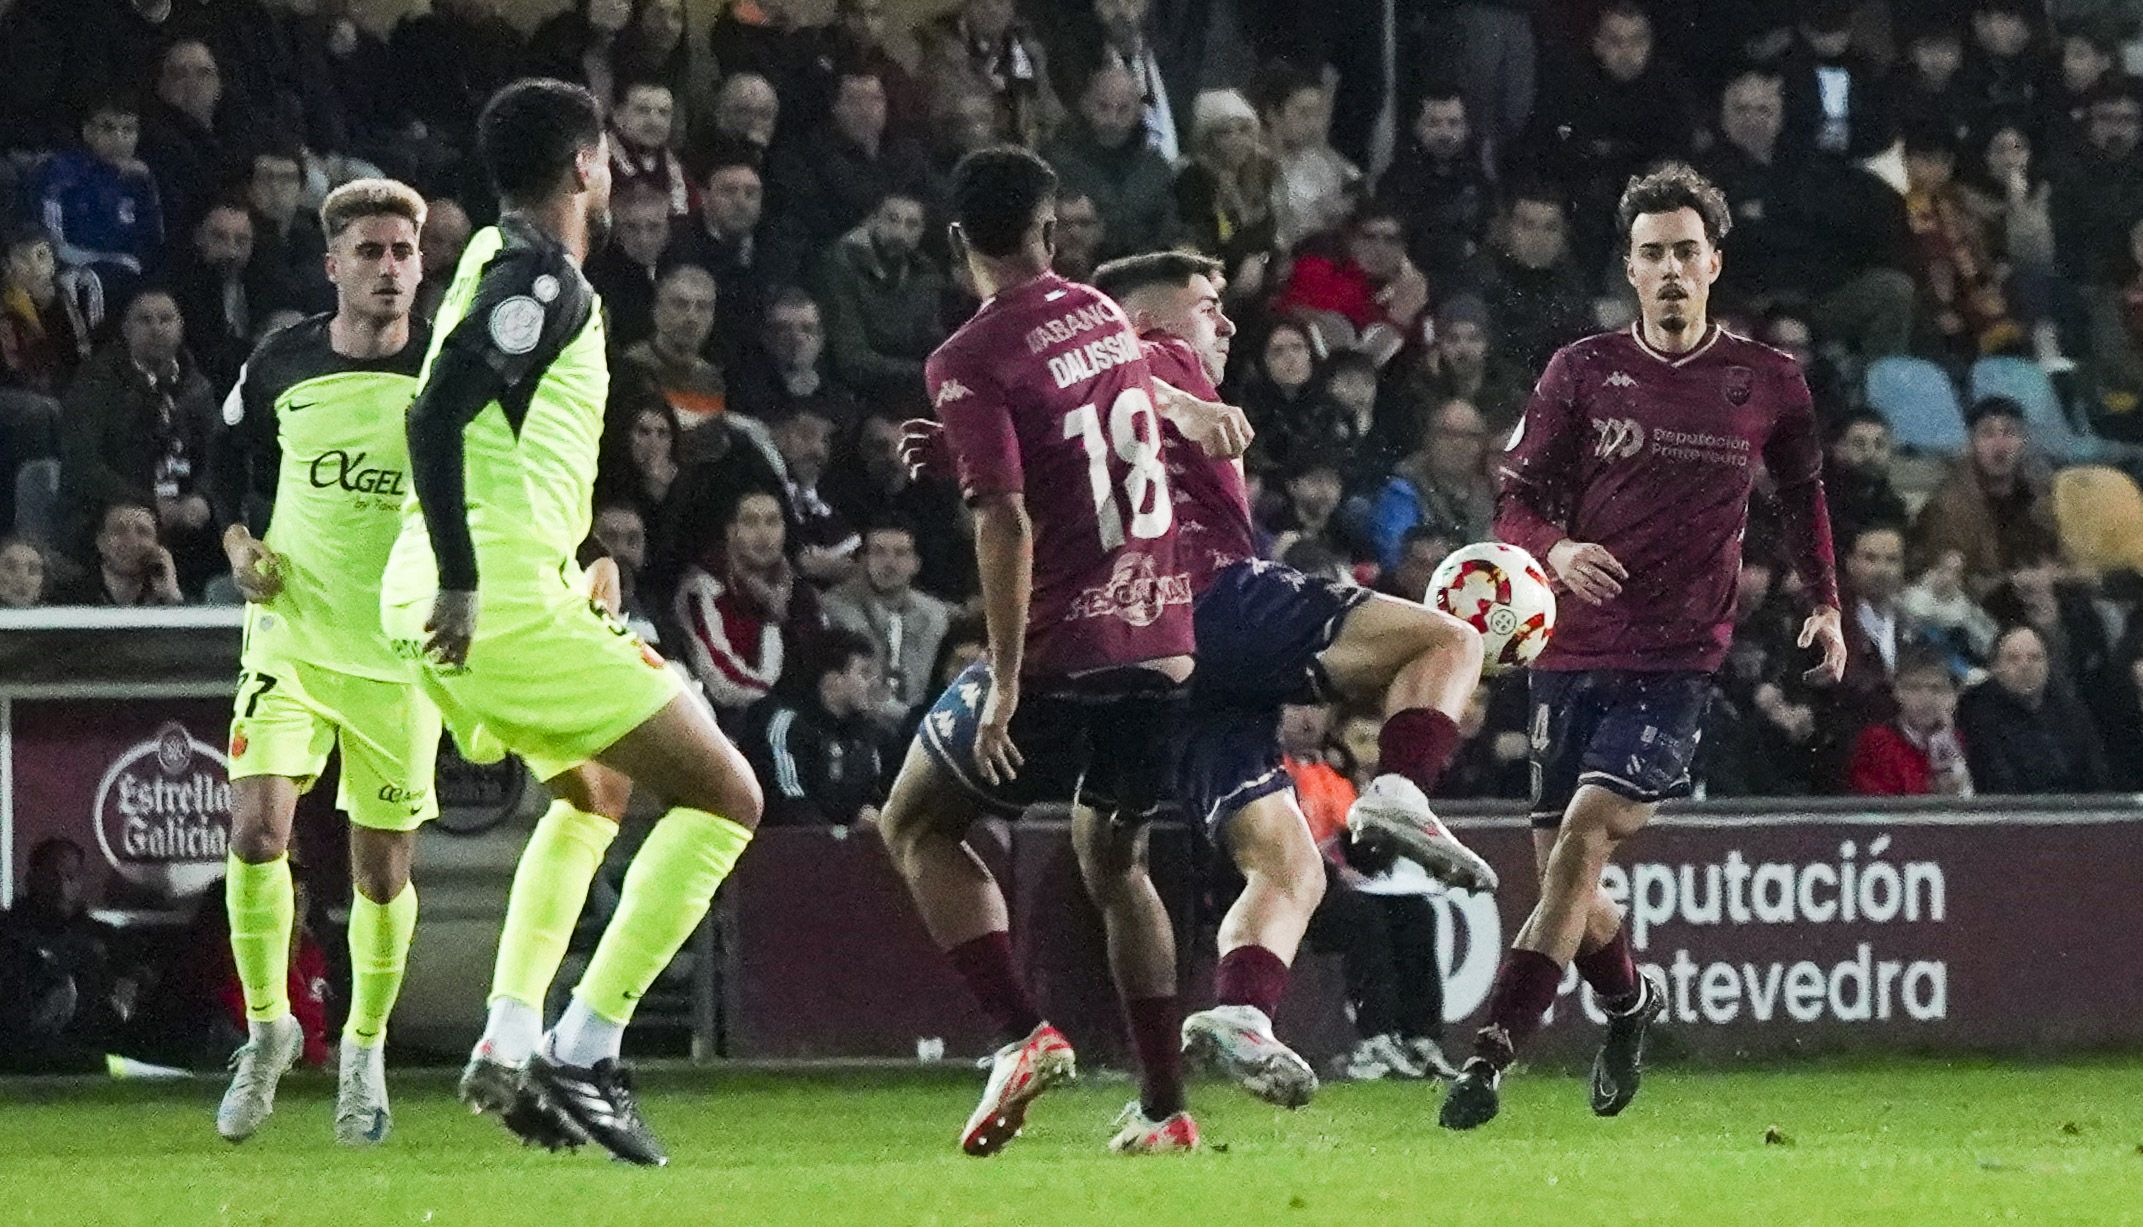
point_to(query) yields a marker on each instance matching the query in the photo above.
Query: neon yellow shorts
(288, 716)
(557, 689)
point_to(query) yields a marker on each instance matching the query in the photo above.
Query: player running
(318, 410)
(1047, 403)
(1269, 635)
(1630, 477)
(482, 590)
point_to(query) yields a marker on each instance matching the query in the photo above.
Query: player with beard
(1630, 476)
(483, 595)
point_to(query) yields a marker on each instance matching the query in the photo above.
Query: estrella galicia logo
(338, 469)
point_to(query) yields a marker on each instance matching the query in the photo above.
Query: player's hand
(1218, 430)
(1587, 570)
(1824, 629)
(451, 627)
(605, 586)
(255, 569)
(923, 450)
(995, 755)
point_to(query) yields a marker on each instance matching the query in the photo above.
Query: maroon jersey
(1212, 505)
(1654, 456)
(1046, 393)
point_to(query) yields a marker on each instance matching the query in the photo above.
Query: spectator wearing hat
(1994, 509)
(1225, 192)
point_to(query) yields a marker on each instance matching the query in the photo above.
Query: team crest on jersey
(1740, 382)
(516, 324)
(1620, 438)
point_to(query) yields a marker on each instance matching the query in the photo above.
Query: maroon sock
(985, 963)
(1611, 971)
(1525, 988)
(1156, 1033)
(1250, 975)
(1417, 743)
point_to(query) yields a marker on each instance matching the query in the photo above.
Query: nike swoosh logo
(295, 406)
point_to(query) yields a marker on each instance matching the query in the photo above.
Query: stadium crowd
(1938, 212)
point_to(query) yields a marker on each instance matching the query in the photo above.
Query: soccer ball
(1501, 592)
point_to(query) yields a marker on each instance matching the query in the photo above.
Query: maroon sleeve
(978, 425)
(1794, 454)
(1539, 471)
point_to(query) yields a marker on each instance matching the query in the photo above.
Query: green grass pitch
(1899, 1142)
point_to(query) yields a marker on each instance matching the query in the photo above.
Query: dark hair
(1857, 417)
(1315, 456)
(1921, 658)
(1122, 278)
(1425, 532)
(962, 628)
(530, 133)
(1377, 210)
(790, 298)
(1621, 8)
(1439, 91)
(1875, 526)
(891, 522)
(111, 102)
(1346, 362)
(996, 192)
(1537, 191)
(1277, 83)
(827, 651)
(1927, 134)
(1992, 407)
(1311, 555)
(1671, 187)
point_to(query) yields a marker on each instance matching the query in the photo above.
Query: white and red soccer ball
(1500, 591)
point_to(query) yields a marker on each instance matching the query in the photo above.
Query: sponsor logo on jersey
(338, 469)
(1620, 379)
(953, 390)
(517, 324)
(1065, 327)
(1620, 438)
(163, 811)
(1136, 592)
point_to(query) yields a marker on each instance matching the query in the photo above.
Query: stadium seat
(2026, 383)
(2100, 511)
(1919, 402)
(37, 496)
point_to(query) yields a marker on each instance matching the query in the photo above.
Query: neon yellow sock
(666, 892)
(379, 950)
(262, 906)
(549, 887)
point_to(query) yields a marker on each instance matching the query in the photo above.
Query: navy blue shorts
(1630, 732)
(1106, 739)
(1260, 626)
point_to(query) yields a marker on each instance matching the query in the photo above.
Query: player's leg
(1418, 978)
(1421, 665)
(1283, 882)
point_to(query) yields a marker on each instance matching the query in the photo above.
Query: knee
(744, 802)
(380, 881)
(257, 842)
(1444, 637)
(1588, 834)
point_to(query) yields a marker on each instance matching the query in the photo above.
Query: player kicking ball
(1630, 476)
(1048, 403)
(482, 591)
(316, 420)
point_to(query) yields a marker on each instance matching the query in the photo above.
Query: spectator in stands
(22, 574)
(1917, 752)
(1445, 182)
(964, 121)
(1224, 192)
(824, 543)
(191, 137)
(672, 361)
(1458, 364)
(2090, 53)
(1318, 188)
(1443, 483)
(1310, 509)
(1279, 391)
(642, 130)
(1104, 154)
(448, 61)
(770, 38)
(741, 608)
(791, 372)
(868, 482)
(581, 45)
(1763, 727)
(2068, 621)
(2004, 71)
(445, 235)
(1939, 604)
(43, 340)
(1543, 301)
(287, 240)
(653, 49)
(1119, 34)
(102, 206)
(2023, 733)
(135, 427)
(1993, 509)
(1372, 289)
(1345, 413)
(882, 297)
(626, 269)
(1877, 629)
(2010, 197)
(131, 568)
(830, 181)
(1927, 86)
(62, 992)
(747, 112)
(1785, 328)
(1421, 551)
(903, 626)
(2100, 196)
(1080, 236)
(2116, 347)
(1961, 292)
(641, 468)
(218, 285)
(621, 532)
(1856, 477)
(725, 242)
(859, 36)
(982, 44)
(812, 740)
(1834, 97)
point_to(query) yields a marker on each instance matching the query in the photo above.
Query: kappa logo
(952, 391)
(1620, 379)
(1620, 438)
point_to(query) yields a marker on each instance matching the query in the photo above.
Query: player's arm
(985, 453)
(246, 452)
(1218, 429)
(1538, 480)
(1794, 455)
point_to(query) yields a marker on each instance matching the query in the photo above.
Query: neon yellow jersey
(520, 305)
(330, 429)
